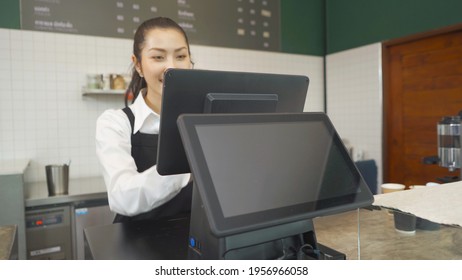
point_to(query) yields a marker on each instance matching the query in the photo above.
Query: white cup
(392, 187)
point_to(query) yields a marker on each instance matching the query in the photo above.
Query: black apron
(144, 152)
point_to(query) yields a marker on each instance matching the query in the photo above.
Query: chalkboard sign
(247, 24)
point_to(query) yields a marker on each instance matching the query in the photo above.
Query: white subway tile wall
(354, 99)
(45, 118)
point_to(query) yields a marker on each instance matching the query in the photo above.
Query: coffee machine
(449, 146)
(449, 139)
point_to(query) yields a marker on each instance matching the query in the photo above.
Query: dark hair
(137, 82)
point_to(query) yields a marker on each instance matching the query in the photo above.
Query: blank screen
(258, 167)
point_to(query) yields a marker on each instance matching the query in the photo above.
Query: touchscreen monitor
(259, 170)
(202, 91)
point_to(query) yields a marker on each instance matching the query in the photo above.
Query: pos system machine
(261, 178)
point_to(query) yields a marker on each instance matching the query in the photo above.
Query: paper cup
(404, 222)
(392, 187)
(415, 187)
(426, 224)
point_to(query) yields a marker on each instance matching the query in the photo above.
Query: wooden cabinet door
(422, 84)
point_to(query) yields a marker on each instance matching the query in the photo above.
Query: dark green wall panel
(9, 14)
(302, 26)
(355, 23)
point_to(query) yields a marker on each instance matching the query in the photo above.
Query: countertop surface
(7, 239)
(9, 167)
(80, 189)
(139, 240)
(378, 239)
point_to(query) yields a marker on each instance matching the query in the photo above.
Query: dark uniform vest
(144, 152)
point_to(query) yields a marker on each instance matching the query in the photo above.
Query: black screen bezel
(223, 226)
(185, 92)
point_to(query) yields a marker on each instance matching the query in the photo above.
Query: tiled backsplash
(354, 99)
(45, 118)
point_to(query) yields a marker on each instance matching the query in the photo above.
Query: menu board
(247, 24)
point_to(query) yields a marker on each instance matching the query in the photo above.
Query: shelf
(86, 92)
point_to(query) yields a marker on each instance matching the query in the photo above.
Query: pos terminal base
(292, 241)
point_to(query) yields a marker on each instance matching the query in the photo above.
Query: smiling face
(163, 48)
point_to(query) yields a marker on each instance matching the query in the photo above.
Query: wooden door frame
(386, 82)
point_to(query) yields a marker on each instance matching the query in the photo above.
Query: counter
(139, 240)
(85, 205)
(8, 242)
(20, 201)
(80, 189)
(12, 198)
(10, 167)
(378, 239)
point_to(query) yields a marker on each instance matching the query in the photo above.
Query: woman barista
(126, 139)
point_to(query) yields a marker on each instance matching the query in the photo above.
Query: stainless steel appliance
(449, 148)
(449, 135)
(49, 234)
(88, 214)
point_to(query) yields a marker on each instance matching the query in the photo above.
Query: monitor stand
(296, 240)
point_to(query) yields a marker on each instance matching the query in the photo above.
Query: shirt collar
(141, 111)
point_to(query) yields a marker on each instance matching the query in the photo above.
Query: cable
(284, 255)
(307, 250)
(359, 235)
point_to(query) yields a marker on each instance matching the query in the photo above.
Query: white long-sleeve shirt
(129, 192)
